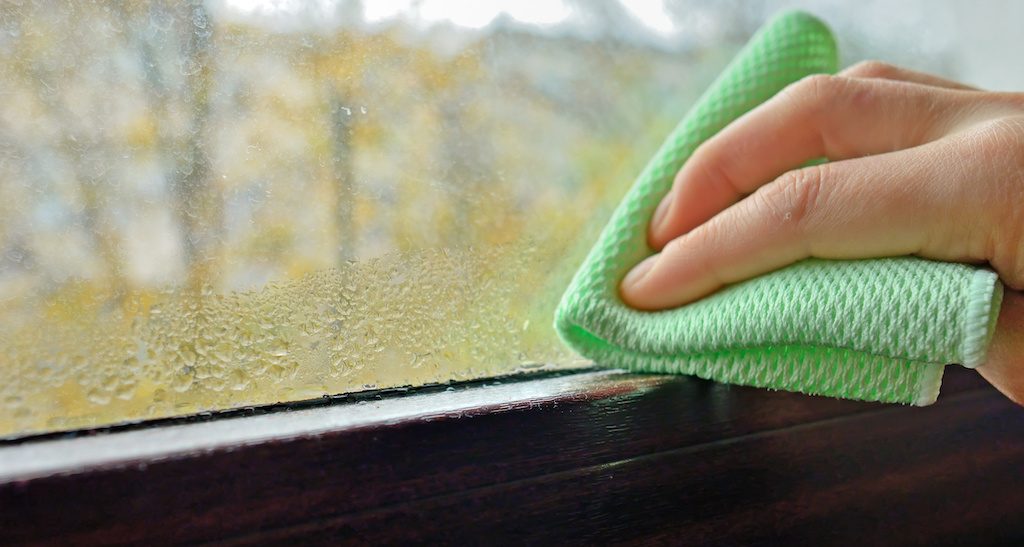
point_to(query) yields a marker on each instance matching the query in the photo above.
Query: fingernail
(639, 272)
(661, 212)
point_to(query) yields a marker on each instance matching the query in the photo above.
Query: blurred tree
(462, 178)
(198, 205)
(82, 144)
(341, 122)
(152, 30)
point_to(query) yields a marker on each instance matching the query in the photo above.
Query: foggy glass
(209, 205)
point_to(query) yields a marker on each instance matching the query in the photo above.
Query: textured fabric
(879, 330)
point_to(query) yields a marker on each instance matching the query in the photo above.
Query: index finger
(867, 207)
(831, 116)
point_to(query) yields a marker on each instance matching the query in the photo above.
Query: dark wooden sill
(587, 458)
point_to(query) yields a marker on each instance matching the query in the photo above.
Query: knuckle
(713, 165)
(1000, 146)
(814, 95)
(703, 237)
(795, 196)
(812, 89)
(674, 247)
(1012, 130)
(700, 248)
(997, 146)
(1012, 101)
(718, 173)
(710, 238)
(1005, 137)
(871, 69)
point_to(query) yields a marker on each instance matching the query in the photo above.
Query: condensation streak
(413, 319)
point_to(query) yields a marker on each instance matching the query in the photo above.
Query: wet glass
(212, 205)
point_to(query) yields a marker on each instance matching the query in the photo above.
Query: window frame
(580, 456)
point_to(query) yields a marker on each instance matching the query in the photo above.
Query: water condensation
(204, 207)
(419, 318)
(202, 212)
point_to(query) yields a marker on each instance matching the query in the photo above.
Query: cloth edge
(984, 298)
(931, 382)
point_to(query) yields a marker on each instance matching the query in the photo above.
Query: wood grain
(635, 459)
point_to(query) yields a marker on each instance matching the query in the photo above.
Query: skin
(919, 166)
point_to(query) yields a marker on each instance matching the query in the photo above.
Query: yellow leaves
(368, 135)
(272, 241)
(141, 132)
(436, 75)
(478, 187)
(77, 301)
(366, 210)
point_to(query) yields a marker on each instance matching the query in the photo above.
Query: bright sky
(468, 13)
(465, 13)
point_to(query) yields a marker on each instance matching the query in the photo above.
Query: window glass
(211, 205)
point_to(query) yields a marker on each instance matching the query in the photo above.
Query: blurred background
(219, 204)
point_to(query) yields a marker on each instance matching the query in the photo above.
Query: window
(210, 205)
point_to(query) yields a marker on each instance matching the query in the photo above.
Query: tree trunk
(341, 169)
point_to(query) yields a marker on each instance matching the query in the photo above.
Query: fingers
(885, 71)
(879, 206)
(830, 116)
(1004, 367)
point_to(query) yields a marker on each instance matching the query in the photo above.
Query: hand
(919, 166)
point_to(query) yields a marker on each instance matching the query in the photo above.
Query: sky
(470, 14)
(975, 42)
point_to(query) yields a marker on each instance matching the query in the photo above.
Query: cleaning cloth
(877, 330)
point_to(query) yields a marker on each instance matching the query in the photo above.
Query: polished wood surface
(632, 459)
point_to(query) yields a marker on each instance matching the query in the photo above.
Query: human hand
(919, 166)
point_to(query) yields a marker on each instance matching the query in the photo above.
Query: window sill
(595, 455)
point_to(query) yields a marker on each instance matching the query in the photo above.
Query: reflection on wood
(633, 459)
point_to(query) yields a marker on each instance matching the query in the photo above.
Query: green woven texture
(878, 330)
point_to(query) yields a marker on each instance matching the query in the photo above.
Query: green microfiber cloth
(877, 330)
